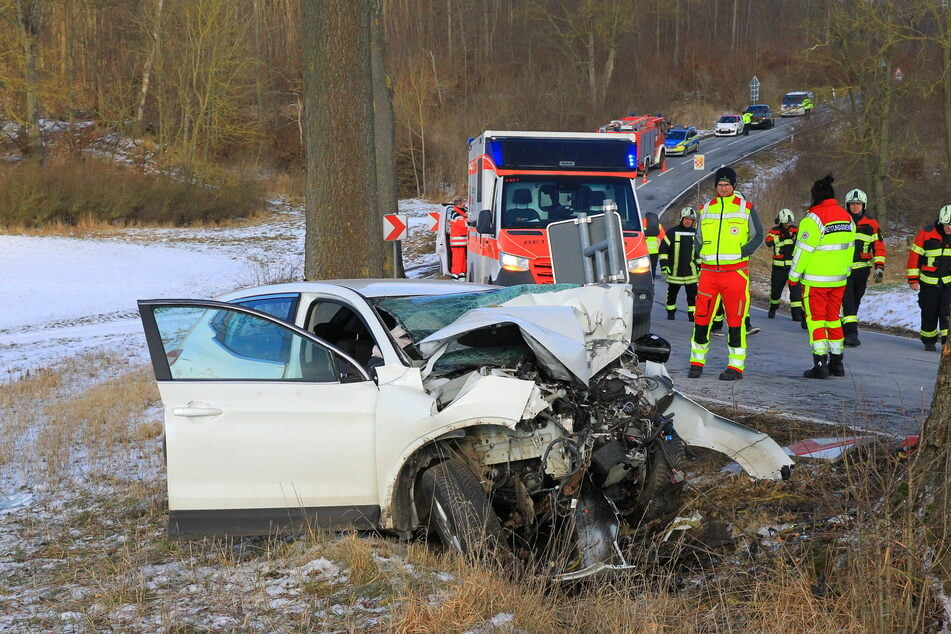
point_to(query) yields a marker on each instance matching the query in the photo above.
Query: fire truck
(649, 135)
(522, 182)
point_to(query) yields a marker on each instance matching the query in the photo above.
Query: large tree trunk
(343, 228)
(932, 475)
(384, 134)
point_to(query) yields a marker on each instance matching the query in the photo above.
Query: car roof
(371, 287)
(729, 114)
(758, 105)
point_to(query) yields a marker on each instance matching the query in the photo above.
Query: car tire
(452, 503)
(660, 497)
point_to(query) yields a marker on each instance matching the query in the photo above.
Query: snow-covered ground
(60, 296)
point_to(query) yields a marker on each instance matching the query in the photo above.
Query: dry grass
(843, 553)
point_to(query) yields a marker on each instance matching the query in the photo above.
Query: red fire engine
(649, 134)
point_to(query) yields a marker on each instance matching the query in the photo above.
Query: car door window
(284, 307)
(202, 343)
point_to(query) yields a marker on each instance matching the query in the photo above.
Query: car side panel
(273, 445)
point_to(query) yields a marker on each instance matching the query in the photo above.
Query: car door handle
(191, 412)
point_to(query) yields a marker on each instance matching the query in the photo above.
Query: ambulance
(521, 182)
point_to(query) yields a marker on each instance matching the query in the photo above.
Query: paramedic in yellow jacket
(822, 259)
(728, 232)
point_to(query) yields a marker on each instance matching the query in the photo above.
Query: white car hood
(574, 333)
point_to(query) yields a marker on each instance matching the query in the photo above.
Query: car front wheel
(453, 503)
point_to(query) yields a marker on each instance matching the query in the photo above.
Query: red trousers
(822, 306)
(733, 290)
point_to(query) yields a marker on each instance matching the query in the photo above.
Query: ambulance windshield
(535, 201)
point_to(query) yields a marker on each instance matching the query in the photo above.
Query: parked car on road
(762, 115)
(681, 141)
(729, 125)
(493, 416)
(797, 103)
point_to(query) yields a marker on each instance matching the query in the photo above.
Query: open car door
(266, 425)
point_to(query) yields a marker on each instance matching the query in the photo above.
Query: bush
(91, 192)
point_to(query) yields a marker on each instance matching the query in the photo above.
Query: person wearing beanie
(929, 273)
(728, 233)
(821, 261)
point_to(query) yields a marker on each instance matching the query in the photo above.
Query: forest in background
(212, 86)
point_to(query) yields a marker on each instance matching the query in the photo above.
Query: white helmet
(944, 215)
(856, 196)
(785, 217)
(688, 212)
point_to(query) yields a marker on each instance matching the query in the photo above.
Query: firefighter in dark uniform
(678, 262)
(929, 273)
(869, 252)
(781, 239)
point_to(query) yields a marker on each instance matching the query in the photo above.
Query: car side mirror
(484, 221)
(650, 347)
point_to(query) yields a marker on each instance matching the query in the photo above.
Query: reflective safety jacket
(782, 240)
(677, 260)
(728, 233)
(458, 229)
(869, 245)
(652, 236)
(929, 259)
(823, 253)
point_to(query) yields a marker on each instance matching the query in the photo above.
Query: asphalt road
(664, 187)
(888, 384)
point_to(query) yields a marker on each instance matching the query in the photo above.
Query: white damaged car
(521, 420)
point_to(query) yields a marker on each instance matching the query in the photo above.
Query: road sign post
(395, 228)
(754, 90)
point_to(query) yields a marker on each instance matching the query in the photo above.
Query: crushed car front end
(595, 454)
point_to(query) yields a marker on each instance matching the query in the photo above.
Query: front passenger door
(264, 424)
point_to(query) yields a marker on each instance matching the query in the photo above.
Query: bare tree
(155, 34)
(29, 15)
(590, 31)
(343, 226)
(862, 40)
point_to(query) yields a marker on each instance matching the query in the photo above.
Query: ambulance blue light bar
(559, 154)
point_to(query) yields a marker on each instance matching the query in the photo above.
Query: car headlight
(511, 262)
(639, 265)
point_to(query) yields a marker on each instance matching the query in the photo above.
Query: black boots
(671, 315)
(852, 340)
(835, 365)
(731, 374)
(772, 311)
(820, 367)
